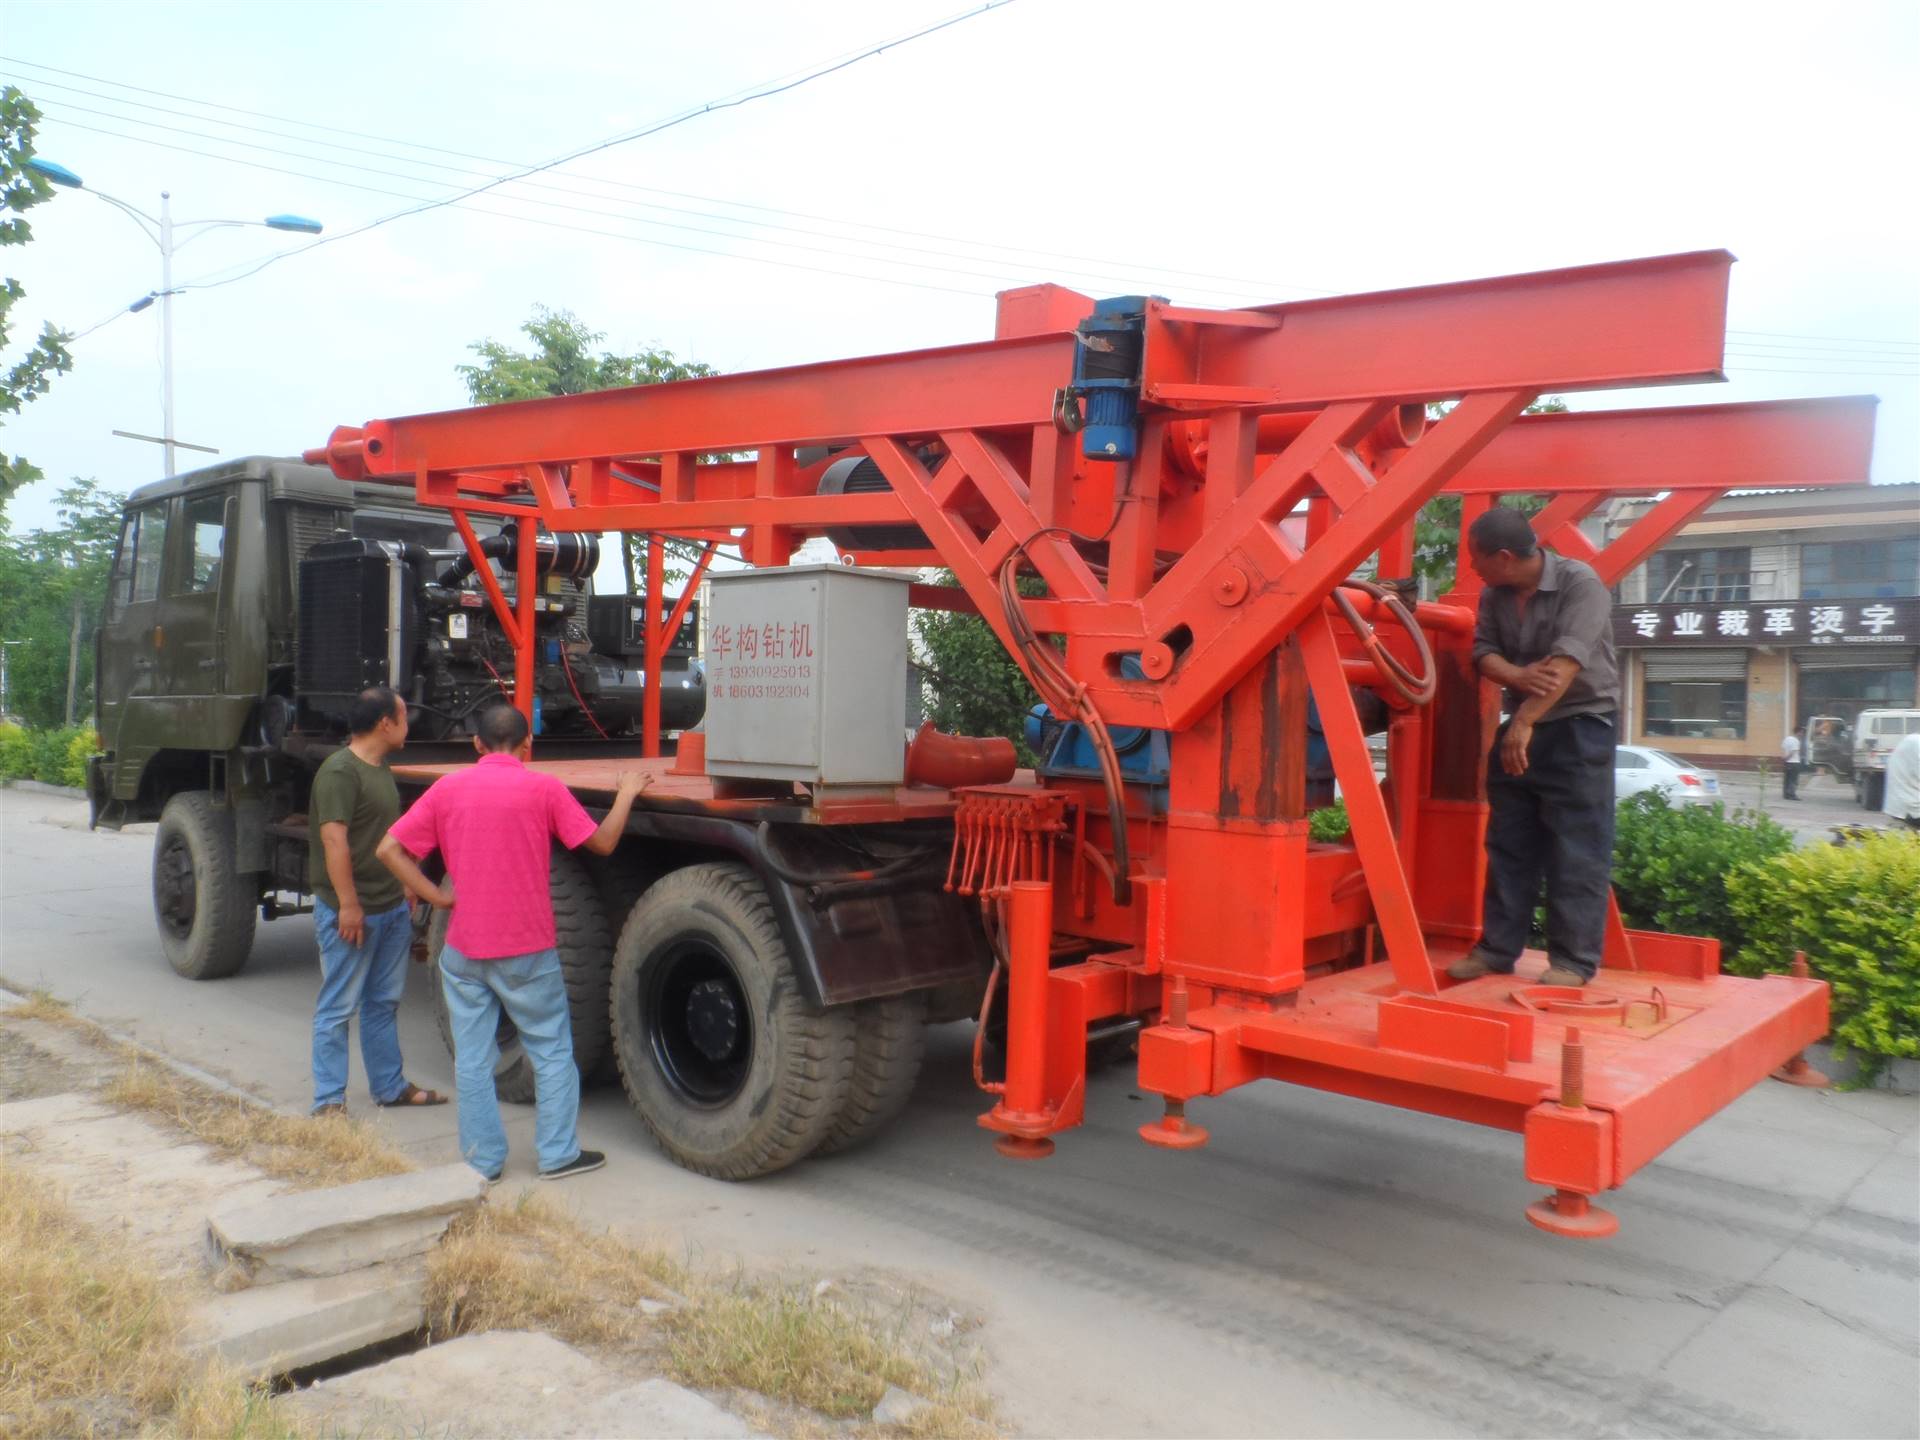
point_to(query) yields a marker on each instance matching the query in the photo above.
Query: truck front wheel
(205, 911)
(730, 1067)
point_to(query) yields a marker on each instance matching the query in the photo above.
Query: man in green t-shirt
(360, 913)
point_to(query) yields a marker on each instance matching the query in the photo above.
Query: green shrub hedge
(1855, 910)
(58, 757)
(1671, 863)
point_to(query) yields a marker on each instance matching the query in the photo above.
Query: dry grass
(527, 1265)
(306, 1150)
(833, 1358)
(40, 1005)
(91, 1341)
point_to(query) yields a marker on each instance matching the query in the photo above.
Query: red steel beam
(1633, 322)
(1680, 447)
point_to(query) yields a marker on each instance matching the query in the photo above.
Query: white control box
(807, 675)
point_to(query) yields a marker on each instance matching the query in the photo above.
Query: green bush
(82, 743)
(1855, 910)
(1671, 863)
(1329, 824)
(58, 757)
(16, 753)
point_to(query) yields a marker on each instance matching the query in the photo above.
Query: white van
(1875, 733)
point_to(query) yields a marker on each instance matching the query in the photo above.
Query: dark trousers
(1554, 823)
(1790, 779)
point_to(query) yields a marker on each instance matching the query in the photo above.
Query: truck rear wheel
(205, 911)
(890, 1042)
(732, 1070)
(581, 936)
(1873, 789)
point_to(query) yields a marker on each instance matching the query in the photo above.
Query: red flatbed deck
(596, 780)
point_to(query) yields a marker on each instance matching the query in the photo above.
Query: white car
(1637, 768)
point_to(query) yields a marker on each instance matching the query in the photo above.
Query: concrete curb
(1897, 1077)
(146, 1052)
(41, 787)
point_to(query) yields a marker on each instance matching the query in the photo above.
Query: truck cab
(194, 655)
(1875, 734)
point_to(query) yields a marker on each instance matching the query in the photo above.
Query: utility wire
(711, 107)
(998, 276)
(1245, 285)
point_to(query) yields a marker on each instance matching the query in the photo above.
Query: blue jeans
(535, 997)
(368, 977)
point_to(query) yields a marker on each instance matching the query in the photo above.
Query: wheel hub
(699, 1022)
(713, 1019)
(174, 887)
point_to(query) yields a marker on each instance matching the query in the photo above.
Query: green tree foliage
(20, 190)
(1436, 529)
(563, 362)
(1853, 909)
(49, 580)
(970, 684)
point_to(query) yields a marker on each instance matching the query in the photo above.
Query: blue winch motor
(1106, 370)
(1065, 748)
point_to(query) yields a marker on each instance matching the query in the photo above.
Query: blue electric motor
(1106, 370)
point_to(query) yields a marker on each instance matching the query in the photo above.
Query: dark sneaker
(1559, 975)
(580, 1164)
(1472, 966)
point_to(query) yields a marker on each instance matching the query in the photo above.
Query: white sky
(1296, 148)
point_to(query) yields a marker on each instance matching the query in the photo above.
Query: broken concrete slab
(345, 1227)
(128, 1175)
(510, 1382)
(272, 1329)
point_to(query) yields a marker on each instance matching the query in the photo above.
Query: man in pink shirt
(495, 824)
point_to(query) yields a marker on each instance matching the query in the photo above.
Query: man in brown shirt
(1545, 635)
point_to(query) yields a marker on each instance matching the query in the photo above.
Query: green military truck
(759, 997)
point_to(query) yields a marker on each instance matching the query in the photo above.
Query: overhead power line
(1028, 258)
(734, 101)
(1003, 274)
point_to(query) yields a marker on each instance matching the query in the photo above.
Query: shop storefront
(1722, 683)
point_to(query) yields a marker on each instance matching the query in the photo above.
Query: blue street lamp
(162, 235)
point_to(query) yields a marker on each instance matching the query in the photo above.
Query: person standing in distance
(1790, 767)
(359, 909)
(495, 824)
(1544, 634)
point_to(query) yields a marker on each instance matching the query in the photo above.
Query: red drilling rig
(1195, 490)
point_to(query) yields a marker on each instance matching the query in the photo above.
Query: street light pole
(166, 326)
(161, 234)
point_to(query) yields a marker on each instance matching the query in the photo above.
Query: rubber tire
(803, 1056)
(585, 942)
(620, 888)
(581, 934)
(226, 904)
(889, 1046)
(1874, 783)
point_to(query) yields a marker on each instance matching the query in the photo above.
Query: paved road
(1824, 803)
(1325, 1267)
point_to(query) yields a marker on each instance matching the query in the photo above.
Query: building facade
(1773, 610)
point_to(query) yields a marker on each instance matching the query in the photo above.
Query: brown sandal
(411, 1096)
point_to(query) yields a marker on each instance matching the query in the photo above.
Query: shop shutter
(1696, 665)
(1858, 657)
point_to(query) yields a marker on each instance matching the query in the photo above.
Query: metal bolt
(1573, 1071)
